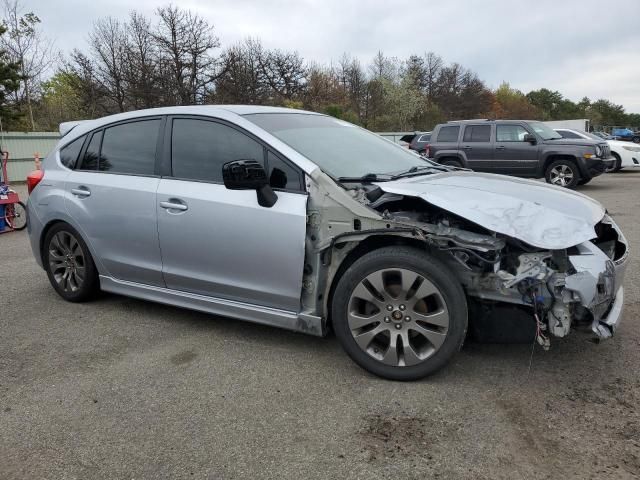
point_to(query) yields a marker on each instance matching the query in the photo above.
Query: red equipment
(14, 213)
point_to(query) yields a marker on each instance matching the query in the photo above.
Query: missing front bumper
(606, 326)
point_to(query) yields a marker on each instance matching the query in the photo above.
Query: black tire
(452, 162)
(563, 165)
(584, 182)
(54, 247)
(617, 166)
(431, 270)
(635, 139)
(15, 215)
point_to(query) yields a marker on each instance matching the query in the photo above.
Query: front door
(222, 243)
(513, 155)
(112, 196)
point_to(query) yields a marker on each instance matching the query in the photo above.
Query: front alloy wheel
(398, 317)
(399, 313)
(563, 173)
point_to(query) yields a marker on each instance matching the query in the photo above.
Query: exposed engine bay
(558, 288)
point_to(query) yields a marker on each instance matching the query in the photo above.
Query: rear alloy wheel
(69, 265)
(563, 173)
(399, 313)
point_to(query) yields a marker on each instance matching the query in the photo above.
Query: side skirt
(274, 317)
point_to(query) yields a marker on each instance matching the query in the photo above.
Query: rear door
(446, 142)
(477, 144)
(222, 243)
(513, 155)
(111, 194)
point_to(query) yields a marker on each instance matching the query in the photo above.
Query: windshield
(339, 148)
(546, 132)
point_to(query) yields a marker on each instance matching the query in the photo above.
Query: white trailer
(579, 124)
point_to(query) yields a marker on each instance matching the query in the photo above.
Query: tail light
(33, 179)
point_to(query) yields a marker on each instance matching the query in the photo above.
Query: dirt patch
(387, 436)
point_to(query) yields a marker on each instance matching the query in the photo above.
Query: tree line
(175, 58)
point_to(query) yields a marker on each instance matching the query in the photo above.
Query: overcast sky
(579, 47)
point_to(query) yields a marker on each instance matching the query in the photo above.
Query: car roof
(221, 111)
(479, 120)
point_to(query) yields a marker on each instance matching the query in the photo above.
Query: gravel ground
(120, 388)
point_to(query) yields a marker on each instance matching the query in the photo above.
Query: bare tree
(108, 42)
(141, 69)
(186, 43)
(26, 46)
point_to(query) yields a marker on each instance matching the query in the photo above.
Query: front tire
(563, 173)
(69, 264)
(617, 166)
(399, 313)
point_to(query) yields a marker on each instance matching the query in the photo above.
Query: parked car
(519, 148)
(306, 222)
(418, 142)
(603, 135)
(625, 154)
(626, 134)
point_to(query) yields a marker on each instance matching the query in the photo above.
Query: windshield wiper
(367, 177)
(418, 170)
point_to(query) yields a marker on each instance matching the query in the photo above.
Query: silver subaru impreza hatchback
(306, 222)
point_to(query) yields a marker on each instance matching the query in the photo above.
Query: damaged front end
(509, 272)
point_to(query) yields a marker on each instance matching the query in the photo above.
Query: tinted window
(510, 133)
(448, 134)
(130, 148)
(90, 158)
(199, 149)
(568, 134)
(424, 138)
(69, 153)
(281, 174)
(477, 133)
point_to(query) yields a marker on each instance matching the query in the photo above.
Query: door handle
(467, 147)
(81, 191)
(174, 206)
(500, 147)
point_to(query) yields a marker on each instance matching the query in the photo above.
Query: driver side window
(199, 148)
(510, 133)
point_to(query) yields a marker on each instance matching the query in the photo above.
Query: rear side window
(130, 148)
(91, 154)
(424, 138)
(69, 153)
(199, 148)
(477, 133)
(448, 134)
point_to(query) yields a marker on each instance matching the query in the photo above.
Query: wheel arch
(53, 222)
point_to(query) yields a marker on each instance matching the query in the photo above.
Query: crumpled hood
(539, 214)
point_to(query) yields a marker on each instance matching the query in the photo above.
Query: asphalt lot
(120, 388)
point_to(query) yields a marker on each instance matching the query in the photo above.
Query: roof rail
(471, 120)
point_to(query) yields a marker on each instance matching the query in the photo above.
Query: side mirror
(249, 175)
(529, 137)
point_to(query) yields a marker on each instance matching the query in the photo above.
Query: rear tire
(563, 173)
(69, 264)
(635, 139)
(451, 162)
(399, 313)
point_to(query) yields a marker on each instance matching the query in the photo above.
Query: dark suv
(520, 148)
